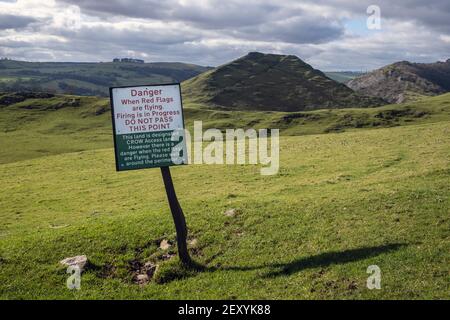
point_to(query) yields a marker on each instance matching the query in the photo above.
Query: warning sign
(148, 126)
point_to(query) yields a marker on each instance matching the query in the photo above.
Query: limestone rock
(79, 261)
(231, 212)
(193, 242)
(142, 278)
(164, 245)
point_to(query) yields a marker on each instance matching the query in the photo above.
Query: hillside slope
(36, 125)
(340, 203)
(273, 82)
(403, 81)
(89, 78)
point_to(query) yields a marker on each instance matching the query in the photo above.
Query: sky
(328, 34)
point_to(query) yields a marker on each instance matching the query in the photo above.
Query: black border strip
(111, 101)
(278, 308)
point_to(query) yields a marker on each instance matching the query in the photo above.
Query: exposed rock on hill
(404, 81)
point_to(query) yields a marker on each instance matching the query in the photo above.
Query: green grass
(272, 82)
(89, 78)
(40, 127)
(341, 202)
(373, 190)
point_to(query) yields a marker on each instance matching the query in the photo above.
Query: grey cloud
(143, 37)
(152, 9)
(219, 31)
(263, 19)
(217, 14)
(228, 14)
(9, 21)
(431, 13)
(300, 29)
(370, 54)
(243, 19)
(233, 13)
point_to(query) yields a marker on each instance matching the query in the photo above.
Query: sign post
(178, 216)
(148, 129)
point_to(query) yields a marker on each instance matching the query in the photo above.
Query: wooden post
(178, 217)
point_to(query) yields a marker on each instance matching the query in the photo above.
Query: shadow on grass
(320, 260)
(174, 270)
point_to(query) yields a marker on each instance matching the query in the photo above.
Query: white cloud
(329, 34)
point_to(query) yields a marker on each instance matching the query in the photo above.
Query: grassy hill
(373, 190)
(271, 82)
(36, 127)
(404, 81)
(340, 203)
(89, 78)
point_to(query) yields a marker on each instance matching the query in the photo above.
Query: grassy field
(41, 127)
(341, 202)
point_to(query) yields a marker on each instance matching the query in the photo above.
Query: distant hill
(45, 124)
(343, 76)
(273, 82)
(89, 78)
(404, 81)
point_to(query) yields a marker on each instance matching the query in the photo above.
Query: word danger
(146, 92)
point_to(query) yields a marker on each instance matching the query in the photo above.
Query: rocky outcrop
(404, 81)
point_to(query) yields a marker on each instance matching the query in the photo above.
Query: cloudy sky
(329, 34)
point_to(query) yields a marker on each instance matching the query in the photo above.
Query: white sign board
(144, 120)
